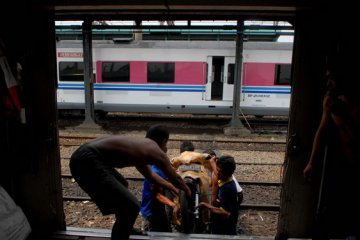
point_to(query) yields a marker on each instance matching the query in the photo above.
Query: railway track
(261, 194)
(200, 141)
(244, 206)
(79, 195)
(196, 119)
(237, 163)
(73, 141)
(182, 123)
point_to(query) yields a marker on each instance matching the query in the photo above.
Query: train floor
(72, 233)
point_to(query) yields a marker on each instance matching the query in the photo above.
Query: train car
(194, 77)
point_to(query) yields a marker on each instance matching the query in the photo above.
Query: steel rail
(237, 163)
(244, 206)
(66, 136)
(140, 179)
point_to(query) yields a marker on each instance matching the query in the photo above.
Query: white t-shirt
(238, 187)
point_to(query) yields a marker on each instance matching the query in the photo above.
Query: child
(214, 179)
(224, 213)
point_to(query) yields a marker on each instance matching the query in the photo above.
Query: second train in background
(195, 77)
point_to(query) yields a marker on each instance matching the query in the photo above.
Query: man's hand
(213, 209)
(204, 204)
(175, 213)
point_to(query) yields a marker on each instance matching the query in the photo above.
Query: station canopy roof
(193, 30)
(176, 9)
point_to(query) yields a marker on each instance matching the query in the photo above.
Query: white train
(176, 77)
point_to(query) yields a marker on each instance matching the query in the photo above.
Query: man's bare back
(125, 151)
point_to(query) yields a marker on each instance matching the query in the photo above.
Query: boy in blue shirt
(153, 201)
(153, 205)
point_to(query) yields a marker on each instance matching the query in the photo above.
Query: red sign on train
(70, 54)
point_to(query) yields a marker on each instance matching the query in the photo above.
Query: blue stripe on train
(132, 87)
(277, 90)
(173, 88)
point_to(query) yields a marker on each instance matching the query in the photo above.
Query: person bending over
(93, 167)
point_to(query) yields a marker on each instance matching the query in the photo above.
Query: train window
(282, 74)
(71, 71)
(231, 73)
(160, 72)
(115, 72)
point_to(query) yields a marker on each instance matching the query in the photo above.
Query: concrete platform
(72, 233)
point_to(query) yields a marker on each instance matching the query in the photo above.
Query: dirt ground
(250, 223)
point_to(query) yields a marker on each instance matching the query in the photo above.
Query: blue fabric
(149, 204)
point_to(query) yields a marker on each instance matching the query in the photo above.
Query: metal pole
(88, 71)
(323, 172)
(235, 120)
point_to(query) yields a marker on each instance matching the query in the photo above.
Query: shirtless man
(339, 129)
(93, 167)
(341, 110)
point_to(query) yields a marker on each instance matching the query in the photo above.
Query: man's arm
(214, 179)
(164, 200)
(176, 178)
(212, 163)
(173, 204)
(189, 157)
(164, 164)
(213, 209)
(214, 188)
(319, 138)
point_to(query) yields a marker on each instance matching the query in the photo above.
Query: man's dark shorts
(106, 186)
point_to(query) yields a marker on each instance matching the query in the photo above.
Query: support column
(89, 122)
(235, 126)
(298, 197)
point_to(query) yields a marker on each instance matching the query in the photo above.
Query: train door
(229, 78)
(214, 85)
